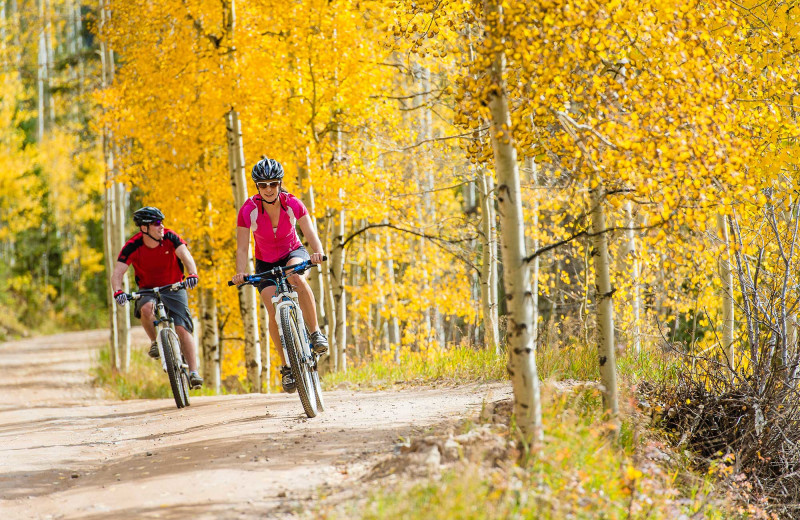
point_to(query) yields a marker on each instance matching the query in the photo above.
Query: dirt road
(66, 452)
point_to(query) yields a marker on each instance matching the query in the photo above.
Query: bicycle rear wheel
(300, 370)
(170, 344)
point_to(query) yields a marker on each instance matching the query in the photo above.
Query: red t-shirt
(157, 266)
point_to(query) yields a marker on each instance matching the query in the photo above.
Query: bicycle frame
(284, 297)
(178, 373)
(296, 348)
(162, 320)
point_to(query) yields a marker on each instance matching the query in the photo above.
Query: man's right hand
(121, 298)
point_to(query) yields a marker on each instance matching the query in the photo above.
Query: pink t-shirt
(272, 245)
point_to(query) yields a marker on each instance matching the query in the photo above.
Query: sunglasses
(264, 185)
(156, 223)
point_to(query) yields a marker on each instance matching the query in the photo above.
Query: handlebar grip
(230, 283)
(324, 258)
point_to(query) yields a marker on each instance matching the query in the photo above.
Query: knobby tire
(300, 372)
(169, 340)
(315, 380)
(184, 384)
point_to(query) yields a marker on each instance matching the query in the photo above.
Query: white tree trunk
(330, 307)
(426, 133)
(42, 92)
(14, 18)
(726, 275)
(266, 351)
(630, 254)
(314, 275)
(123, 313)
(247, 295)
(339, 293)
(605, 306)
(393, 322)
(491, 339)
(209, 340)
(49, 61)
(111, 242)
(516, 276)
(534, 264)
(4, 20)
(111, 255)
(354, 326)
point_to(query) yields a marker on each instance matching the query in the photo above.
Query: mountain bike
(294, 335)
(169, 345)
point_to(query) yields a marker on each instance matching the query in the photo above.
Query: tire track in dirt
(67, 452)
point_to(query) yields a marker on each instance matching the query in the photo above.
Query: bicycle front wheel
(300, 369)
(315, 379)
(170, 345)
(317, 387)
(184, 382)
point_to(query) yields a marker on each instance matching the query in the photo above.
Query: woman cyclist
(271, 215)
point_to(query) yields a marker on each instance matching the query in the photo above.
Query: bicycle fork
(280, 302)
(162, 318)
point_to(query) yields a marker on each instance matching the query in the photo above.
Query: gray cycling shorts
(176, 303)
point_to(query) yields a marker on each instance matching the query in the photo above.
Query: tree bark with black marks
(605, 305)
(247, 296)
(516, 276)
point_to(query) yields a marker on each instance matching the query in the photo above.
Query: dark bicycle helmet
(267, 170)
(146, 215)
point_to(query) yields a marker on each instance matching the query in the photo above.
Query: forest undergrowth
(691, 441)
(478, 471)
(744, 428)
(144, 379)
(684, 463)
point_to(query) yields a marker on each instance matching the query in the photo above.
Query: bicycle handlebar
(164, 288)
(253, 279)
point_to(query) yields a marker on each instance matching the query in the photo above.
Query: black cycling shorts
(262, 266)
(176, 303)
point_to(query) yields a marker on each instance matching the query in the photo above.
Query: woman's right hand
(238, 279)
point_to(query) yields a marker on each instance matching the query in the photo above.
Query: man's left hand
(191, 281)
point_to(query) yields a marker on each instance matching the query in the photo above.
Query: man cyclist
(271, 215)
(158, 256)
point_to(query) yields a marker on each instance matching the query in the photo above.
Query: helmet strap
(262, 199)
(151, 236)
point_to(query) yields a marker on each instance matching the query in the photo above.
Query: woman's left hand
(316, 258)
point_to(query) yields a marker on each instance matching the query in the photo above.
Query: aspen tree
(110, 255)
(339, 296)
(120, 217)
(210, 338)
(266, 351)
(727, 297)
(330, 305)
(606, 346)
(392, 321)
(209, 319)
(489, 271)
(516, 277)
(631, 256)
(307, 195)
(115, 217)
(247, 296)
